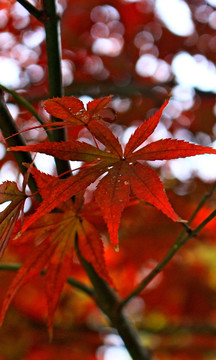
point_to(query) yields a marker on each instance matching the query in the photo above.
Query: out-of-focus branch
(73, 282)
(9, 128)
(181, 240)
(31, 9)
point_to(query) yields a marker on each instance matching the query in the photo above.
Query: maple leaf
(53, 249)
(123, 171)
(9, 216)
(72, 110)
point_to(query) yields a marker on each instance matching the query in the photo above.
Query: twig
(8, 128)
(31, 9)
(202, 202)
(196, 328)
(78, 285)
(172, 251)
(73, 282)
(190, 232)
(21, 100)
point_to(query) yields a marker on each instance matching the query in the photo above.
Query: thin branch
(187, 230)
(202, 202)
(10, 267)
(173, 250)
(9, 128)
(21, 100)
(200, 329)
(104, 88)
(78, 285)
(73, 282)
(32, 9)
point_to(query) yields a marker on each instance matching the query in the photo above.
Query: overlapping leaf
(9, 216)
(54, 235)
(123, 172)
(72, 110)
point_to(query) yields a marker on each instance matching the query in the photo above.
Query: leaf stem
(73, 282)
(31, 9)
(181, 240)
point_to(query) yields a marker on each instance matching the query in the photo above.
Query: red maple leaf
(123, 171)
(72, 110)
(53, 238)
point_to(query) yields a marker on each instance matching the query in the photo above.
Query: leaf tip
(43, 103)
(182, 221)
(116, 247)
(17, 235)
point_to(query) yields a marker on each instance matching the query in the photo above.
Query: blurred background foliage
(141, 51)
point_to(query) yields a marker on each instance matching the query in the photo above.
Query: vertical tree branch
(51, 22)
(109, 303)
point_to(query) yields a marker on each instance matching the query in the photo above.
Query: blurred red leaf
(9, 216)
(53, 236)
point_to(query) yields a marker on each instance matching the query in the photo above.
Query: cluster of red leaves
(123, 175)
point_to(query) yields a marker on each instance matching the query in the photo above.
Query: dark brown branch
(73, 282)
(32, 9)
(53, 45)
(109, 303)
(9, 128)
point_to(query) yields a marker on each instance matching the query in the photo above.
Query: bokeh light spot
(176, 15)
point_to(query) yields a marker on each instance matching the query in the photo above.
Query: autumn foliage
(110, 227)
